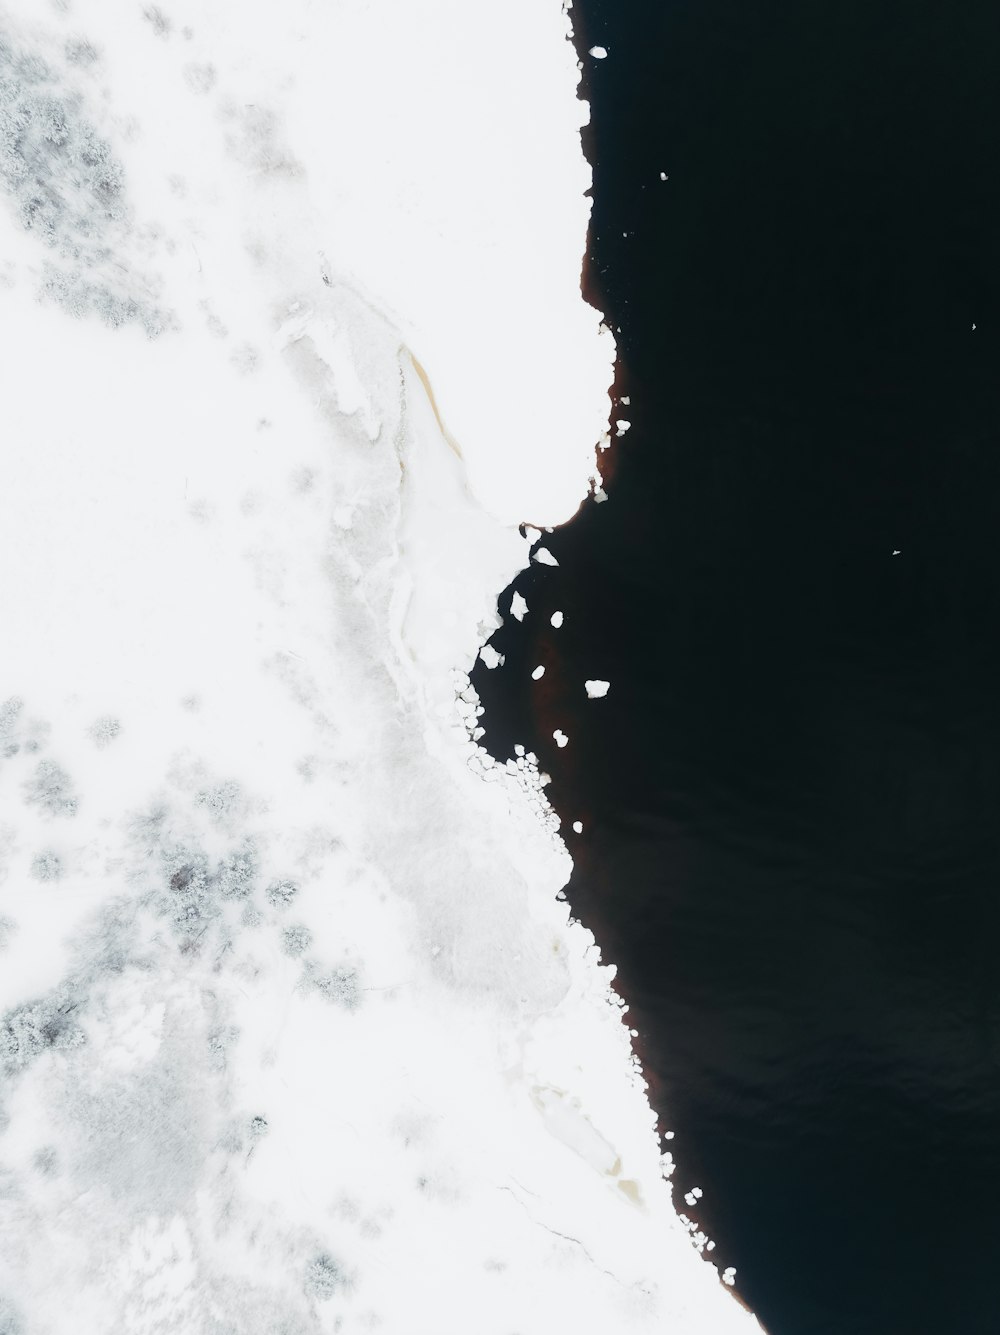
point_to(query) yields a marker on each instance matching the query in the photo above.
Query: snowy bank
(295, 1034)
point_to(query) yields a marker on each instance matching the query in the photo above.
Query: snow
(295, 1031)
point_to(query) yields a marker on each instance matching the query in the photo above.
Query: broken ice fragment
(597, 689)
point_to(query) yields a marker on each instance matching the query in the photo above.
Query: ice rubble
(295, 1034)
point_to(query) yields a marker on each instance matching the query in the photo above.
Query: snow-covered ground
(295, 1034)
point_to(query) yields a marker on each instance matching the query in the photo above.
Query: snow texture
(296, 1033)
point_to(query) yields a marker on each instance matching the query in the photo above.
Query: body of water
(791, 794)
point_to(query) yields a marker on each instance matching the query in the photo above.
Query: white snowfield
(295, 1034)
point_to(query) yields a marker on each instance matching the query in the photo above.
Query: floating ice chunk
(518, 607)
(560, 736)
(490, 656)
(556, 619)
(578, 827)
(599, 52)
(532, 534)
(600, 495)
(544, 557)
(538, 673)
(729, 1275)
(622, 426)
(625, 398)
(596, 689)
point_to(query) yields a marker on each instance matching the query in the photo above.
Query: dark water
(791, 795)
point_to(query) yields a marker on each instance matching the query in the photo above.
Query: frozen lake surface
(297, 1034)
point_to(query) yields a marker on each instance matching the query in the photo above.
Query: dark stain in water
(790, 796)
